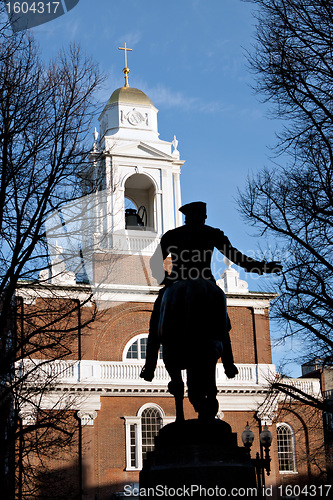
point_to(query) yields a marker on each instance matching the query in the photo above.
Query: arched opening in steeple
(140, 190)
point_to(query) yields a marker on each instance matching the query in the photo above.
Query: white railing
(309, 386)
(41, 370)
(124, 373)
(128, 373)
(135, 241)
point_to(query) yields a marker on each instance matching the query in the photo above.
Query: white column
(28, 414)
(176, 180)
(158, 202)
(88, 453)
(118, 197)
(109, 194)
(167, 200)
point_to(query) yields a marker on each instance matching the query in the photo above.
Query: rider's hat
(196, 208)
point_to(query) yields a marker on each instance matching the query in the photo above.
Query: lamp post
(247, 437)
(260, 464)
(266, 439)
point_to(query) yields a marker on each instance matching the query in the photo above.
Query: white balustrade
(309, 386)
(92, 373)
(124, 372)
(47, 372)
(135, 241)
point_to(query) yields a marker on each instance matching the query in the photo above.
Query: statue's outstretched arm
(242, 260)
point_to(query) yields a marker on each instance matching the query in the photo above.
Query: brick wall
(250, 335)
(106, 338)
(306, 423)
(123, 270)
(109, 426)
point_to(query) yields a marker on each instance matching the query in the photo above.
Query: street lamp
(266, 439)
(260, 464)
(247, 437)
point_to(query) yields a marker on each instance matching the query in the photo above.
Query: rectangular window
(133, 430)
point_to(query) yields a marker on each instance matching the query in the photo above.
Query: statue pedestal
(196, 458)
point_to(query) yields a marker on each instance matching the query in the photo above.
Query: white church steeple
(138, 169)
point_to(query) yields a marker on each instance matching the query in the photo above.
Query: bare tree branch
(293, 65)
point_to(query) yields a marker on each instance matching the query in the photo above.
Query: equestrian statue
(189, 318)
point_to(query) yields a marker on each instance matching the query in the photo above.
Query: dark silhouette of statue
(190, 317)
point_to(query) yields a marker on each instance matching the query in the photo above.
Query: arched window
(136, 349)
(151, 422)
(140, 433)
(140, 190)
(286, 448)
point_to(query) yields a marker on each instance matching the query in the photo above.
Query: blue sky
(189, 58)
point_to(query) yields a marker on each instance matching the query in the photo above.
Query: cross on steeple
(125, 70)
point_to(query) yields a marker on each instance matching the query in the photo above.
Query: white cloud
(131, 38)
(169, 98)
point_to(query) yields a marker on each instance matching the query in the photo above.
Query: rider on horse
(191, 248)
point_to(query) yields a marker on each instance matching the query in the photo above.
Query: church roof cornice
(151, 153)
(253, 295)
(146, 147)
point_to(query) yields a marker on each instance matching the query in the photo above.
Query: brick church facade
(114, 413)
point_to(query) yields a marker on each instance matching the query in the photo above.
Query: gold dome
(130, 95)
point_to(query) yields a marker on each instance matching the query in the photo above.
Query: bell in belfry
(133, 219)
